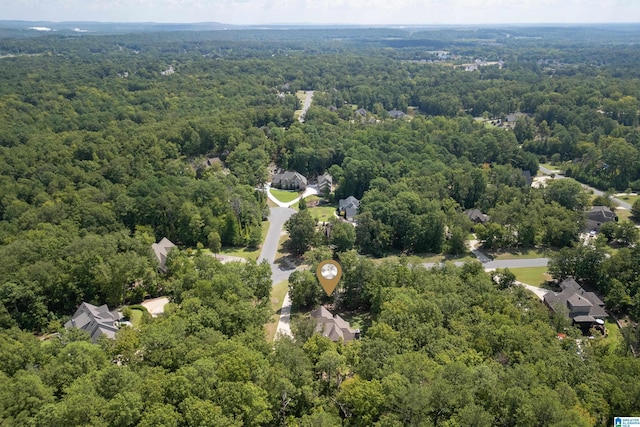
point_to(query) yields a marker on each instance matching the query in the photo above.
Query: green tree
(302, 229)
(343, 236)
(567, 193)
(213, 242)
(304, 289)
(635, 210)
(361, 401)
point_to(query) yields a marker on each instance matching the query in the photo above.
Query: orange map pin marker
(329, 273)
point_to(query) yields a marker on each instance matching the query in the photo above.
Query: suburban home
(513, 117)
(333, 326)
(585, 309)
(95, 320)
(598, 215)
(210, 161)
(289, 180)
(476, 216)
(325, 183)
(396, 114)
(348, 207)
(361, 111)
(161, 250)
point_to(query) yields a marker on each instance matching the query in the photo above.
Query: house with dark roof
(396, 114)
(211, 161)
(513, 117)
(599, 215)
(95, 320)
(528, 179)
(289, 180)
(333, 326)
(325, 183)
(161, 250)
(585, 309)
(348, 207)
(361, 111)
(476, 216)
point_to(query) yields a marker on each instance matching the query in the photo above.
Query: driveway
(155, 306)
(309, 191)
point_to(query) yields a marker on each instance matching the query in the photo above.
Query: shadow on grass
(510, 253)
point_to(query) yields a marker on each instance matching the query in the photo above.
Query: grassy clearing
(357, 320)
(277, 297)
(614, 335)
(425, 257)
(519, 254)
(285, 196)
(628, 198)
(136, 317)
(322, 213)
(302, 96)
(534, 276)
(624, 215)
(551, 167)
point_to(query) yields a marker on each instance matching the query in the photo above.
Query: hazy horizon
(327, 12)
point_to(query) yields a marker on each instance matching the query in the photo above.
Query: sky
(364, 12)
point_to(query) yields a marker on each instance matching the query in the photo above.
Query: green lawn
(614, 336)
(285, 196)
(277, 297)
(136, 317)
(425, 257)
(518, 254)
(358, 320)
(551, 167)
(322, 213)
(628, 199)
(534, 276)
(312, 198)
(623, 215)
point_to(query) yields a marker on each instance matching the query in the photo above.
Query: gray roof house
(476, 216)
(95, 320)
(161, 250)
(289, 180)
(598, 215)
(361, 111)
(348, 207)
(325, 182)
(333, 326)
(584, 308)
(396, 114)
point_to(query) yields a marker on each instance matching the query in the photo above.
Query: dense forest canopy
(112, 140)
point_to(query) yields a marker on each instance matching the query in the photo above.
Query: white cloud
(326, 11)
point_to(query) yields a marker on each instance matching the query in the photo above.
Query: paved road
(597, 192)
(276, 221)
(507, 263)
(278, 217)
(307, 104)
